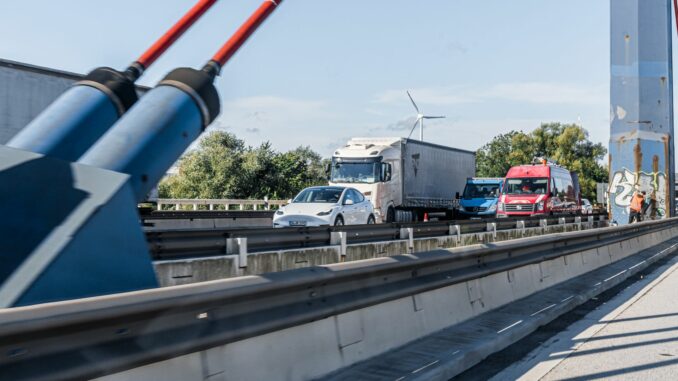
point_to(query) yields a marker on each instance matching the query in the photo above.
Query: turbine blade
(433, 117)
(413, 104)
(413, 127)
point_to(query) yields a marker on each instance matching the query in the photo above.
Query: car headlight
(540, 206)
(324, 213)
(492, 208)
(280, 212)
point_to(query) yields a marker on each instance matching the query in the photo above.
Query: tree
(566, 144)
(223, 167)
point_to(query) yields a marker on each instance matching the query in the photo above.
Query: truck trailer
(403, 178)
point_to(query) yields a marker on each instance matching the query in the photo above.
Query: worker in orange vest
(636, 206)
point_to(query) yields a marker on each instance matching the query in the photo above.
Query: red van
(539, 189)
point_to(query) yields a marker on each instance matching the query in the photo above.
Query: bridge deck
(630, 337)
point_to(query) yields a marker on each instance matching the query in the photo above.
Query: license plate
(297, 223)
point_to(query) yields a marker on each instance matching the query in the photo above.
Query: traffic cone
(425, 217)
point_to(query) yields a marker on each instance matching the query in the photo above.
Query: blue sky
(319, 72)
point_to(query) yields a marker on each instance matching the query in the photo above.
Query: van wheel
(339, 221)
(370, 220)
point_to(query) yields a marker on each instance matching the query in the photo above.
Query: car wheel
(339, 221)
(370, 220)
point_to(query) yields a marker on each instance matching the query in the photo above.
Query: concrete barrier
(176, 272)
(460, 323)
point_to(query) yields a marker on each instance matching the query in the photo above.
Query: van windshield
(529, 185)
(487, 191)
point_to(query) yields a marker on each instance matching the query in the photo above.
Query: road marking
(400, 379)
(615, 275)
(510, 326)
(636, 265)
(425, 366)
(566, 299)
(543, 309)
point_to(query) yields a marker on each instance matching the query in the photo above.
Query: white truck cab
(372, 166)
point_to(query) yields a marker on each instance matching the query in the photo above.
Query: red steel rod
(245, 31)
(174, 33)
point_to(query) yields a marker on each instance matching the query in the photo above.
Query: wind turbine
(420, 119)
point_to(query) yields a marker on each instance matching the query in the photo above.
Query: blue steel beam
(82, 114)
(641, 110)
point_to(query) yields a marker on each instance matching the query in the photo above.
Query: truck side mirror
(327, 169)
(385, 172)
(456, 196)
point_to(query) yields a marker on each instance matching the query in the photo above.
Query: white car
(586, 207)
(325, 205)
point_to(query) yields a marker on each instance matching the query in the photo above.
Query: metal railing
(175, 244)
(93, 337)
(178, 204)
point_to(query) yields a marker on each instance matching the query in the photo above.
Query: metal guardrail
(176, 244)
(200, 214)
(88, 338)
(217, 204)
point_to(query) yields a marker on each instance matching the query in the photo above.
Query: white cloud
(524, 92)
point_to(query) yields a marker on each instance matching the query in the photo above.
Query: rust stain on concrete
(666, 139)
(637, 160)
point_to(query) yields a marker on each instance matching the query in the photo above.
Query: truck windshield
(530, 185)
(355, 172)
(486, 191)
(320, 195)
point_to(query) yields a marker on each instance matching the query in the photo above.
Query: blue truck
(480, 197)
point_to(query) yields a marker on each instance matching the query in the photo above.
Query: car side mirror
(348, 202)
(289, 201)
(456, 196)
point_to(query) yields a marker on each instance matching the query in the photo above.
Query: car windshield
(487, 191)
(530, 185)
(319, 195)
(355, 172)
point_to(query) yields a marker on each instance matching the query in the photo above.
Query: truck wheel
(339, 221)
(390, 215)
(370, 220)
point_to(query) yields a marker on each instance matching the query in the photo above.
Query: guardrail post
(543, 223)
(339, 238)
(242, 251)
(176, 207)
(242, 206)
(492, 227)
(577, 220)
(159, 205)
(408, 233)
(455, 230)
(561, 221)
(195, 206)
(521, 225)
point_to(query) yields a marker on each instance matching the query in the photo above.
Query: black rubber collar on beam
(200, 86)
(116, 85)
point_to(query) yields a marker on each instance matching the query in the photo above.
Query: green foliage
(223, 167)
(566, 144)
